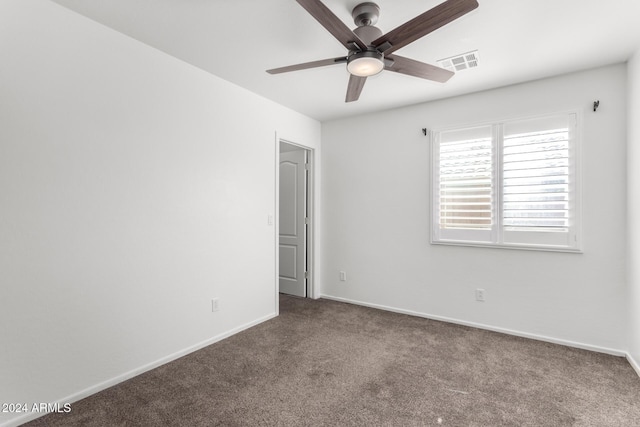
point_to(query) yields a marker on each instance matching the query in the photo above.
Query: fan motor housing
(368, 33)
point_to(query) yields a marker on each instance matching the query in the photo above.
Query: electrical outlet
(480, 294)
(343, 276)
(215, 304)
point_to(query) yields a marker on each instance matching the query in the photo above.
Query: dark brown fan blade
(332, 23)
(415, 68)
(313, 64)
(423, 24)
(354, 89)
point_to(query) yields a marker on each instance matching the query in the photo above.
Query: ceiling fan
(370, 51)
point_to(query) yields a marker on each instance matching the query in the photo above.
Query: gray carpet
(324, 363)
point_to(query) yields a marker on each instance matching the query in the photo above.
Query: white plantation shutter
(465, 183)
(538, 181)
(509, 184)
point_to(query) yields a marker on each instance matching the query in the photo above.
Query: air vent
(460, 62)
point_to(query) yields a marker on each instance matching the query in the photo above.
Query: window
(509, 184)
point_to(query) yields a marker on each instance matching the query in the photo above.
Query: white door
(293, 195)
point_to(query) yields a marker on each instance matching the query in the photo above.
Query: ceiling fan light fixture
(365, 64)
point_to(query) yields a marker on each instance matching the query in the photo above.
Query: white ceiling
(237, 40)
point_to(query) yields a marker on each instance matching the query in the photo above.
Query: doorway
(294, 220)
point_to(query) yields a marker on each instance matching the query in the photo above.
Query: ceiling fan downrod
(365, 16)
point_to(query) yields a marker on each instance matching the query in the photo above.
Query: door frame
(311, 213)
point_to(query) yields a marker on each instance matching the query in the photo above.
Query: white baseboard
(634, 364)
(552, 340)
(134, 372)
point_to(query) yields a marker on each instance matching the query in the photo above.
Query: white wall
(633, 194)
(376, 219)
(133, 189)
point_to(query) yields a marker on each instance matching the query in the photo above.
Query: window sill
(540, 248)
